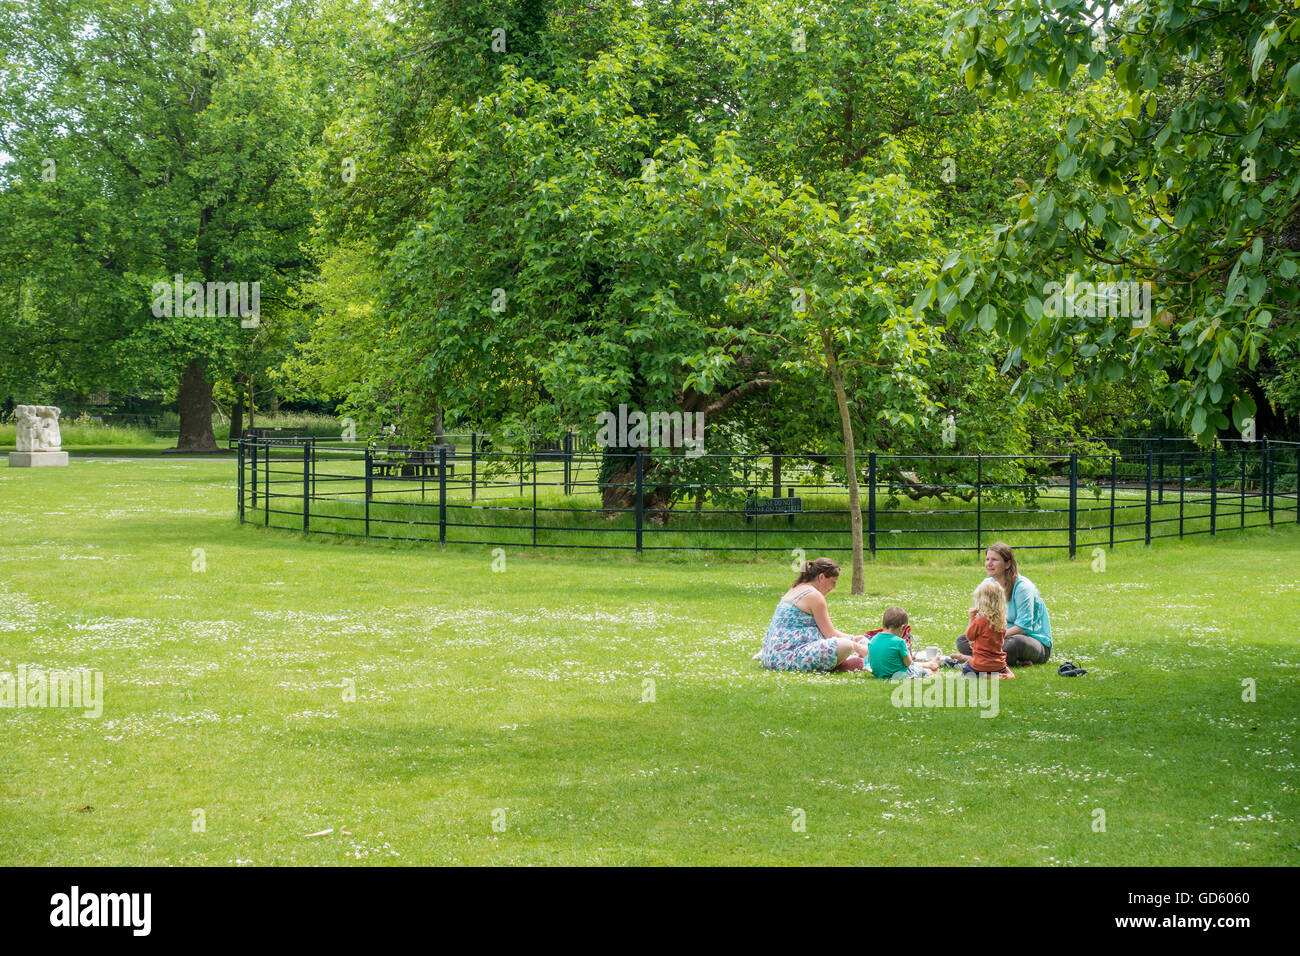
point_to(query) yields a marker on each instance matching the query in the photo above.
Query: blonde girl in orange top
(986, 633)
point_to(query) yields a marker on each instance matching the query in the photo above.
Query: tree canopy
(916, 225)
(142, 147)
(1189, 183)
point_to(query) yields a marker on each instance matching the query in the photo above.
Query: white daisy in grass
(314, 714)
(19, 612)
(158, 724)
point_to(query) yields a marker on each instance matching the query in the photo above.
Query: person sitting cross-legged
(887, 652)
(1029, 628)
(801, 636)
(986, 634)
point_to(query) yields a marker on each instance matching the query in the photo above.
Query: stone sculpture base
(37, 459)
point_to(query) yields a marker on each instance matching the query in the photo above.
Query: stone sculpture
(38, 437)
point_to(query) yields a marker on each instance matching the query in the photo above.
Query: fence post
(1214, 486)
(1243, 485)
(752, 493)
(1160, 482)
(1113, 467)
(1074, 501)
(1268, 470)
(568, 462)
(369, 485)
(442, 495)
(871, 503)
(312, 442)
(473, 466)
(1150, 454)
(640, 498)
(1263, 477)
(534, 496)
(979, 503)
(1182, 488)
(240, 453)
(266, 486)
(1297, 486)
(253, 448)
(789, 493)
(306, 487)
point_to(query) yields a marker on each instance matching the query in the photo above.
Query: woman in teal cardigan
(1029, 629)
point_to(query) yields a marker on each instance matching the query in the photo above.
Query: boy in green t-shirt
(887, 652)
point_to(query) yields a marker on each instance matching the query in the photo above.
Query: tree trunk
(850, 464)
(237, 418)
(619, 492)
(618, 476)
(251, 422)
(195, 403)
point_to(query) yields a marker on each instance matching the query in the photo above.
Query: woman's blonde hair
(992, 604)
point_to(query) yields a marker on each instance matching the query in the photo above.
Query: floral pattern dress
(794, 642)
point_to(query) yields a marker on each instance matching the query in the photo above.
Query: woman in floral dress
(801, 636)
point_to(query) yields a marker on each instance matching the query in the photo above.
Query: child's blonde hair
(992, 604)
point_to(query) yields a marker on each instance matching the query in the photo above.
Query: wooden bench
(388, 461)
(131, 418)
(402, 461)
(428, 460)
(550, 451)
(279, 433)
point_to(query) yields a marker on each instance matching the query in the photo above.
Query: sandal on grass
(1069, 669)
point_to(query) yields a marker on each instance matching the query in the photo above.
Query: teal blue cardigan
(1027, 611)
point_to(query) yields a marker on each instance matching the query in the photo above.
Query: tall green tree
(1191, 184)
(516, 169)
(146, 142)
(549, 241)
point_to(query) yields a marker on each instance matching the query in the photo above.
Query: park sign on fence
(773, 506)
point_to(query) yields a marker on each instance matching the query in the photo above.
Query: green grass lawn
(521, 699)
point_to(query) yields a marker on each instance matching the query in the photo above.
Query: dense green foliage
(623, 217)
(1191, 185)
(145, 146)
(820, 225)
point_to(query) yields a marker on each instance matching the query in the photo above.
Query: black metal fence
(573, 496)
